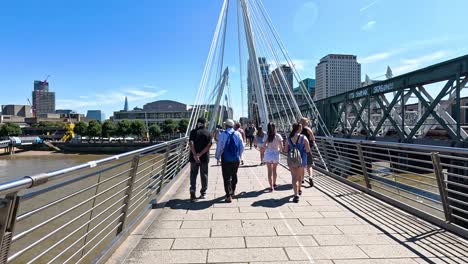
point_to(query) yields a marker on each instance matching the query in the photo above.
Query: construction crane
(45, 80)
(32, 108)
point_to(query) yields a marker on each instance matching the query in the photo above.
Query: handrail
(29, 181)
(398, 144)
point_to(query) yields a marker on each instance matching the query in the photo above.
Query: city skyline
(97, 54)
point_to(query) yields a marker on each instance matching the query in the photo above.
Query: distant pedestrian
(273, 146)
(229, 150)
(238, 128)
(250, 134)
(259, 143)
(200, 144)
(307, 131)
(297, 149)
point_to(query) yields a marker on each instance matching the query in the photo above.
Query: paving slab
(248, 254)
(325, 252)
(209, 243)
(282, 241)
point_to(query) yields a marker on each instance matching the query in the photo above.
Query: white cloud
(364, 8)
(419, 62)
(369, 25)
(376, 57)
(299, 64)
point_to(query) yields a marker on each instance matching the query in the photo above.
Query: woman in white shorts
(258, 142)
(273, 145)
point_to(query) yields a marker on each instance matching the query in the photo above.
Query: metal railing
(78, 214)
(428, 181)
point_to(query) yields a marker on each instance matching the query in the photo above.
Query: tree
(94, 129)
(10, 129)
(109, 129)
(155, 132)
(183, 124)
(123, 128)
(81, 129)
(169, 126)
(138, 128)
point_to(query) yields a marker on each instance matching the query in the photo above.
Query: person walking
(297, 149)
(229, 150)
(259, 140)
(273, 146)
(200, 144)
(238, 128)
(250, 134)
(309, 134)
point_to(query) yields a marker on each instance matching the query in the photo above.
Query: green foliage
(10, 129)
(123, 128)
(138, 128)
(50, 124)
(109, 129)
(81, 128)
(183, 124)
(169, 126)
(94, 128)
(155, 132)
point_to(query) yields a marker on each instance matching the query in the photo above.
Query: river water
(34, 162)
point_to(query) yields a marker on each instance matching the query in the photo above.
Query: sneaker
(242, 162)
(228, 199)
(300, 192)
(271, 189)
(202, 196)
(275, 186)
(192, 196)
(296, 199)
(310, 181)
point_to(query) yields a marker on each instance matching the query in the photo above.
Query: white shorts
(260, 145)
(271, 156)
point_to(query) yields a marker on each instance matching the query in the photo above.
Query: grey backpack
(294, 155)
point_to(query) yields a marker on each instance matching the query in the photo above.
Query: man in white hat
(229, 150)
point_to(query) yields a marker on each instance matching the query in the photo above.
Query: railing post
(179, 160)
(363, 166)
(441, 184)
(323, 143)
(8, 211)
(129, 192)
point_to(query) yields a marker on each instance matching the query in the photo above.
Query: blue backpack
(231, 151)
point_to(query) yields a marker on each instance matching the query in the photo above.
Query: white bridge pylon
(270, 73)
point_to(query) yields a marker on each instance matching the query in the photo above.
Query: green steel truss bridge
(406, 108)
(373, 201)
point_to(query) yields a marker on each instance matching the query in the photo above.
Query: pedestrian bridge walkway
(332, 223)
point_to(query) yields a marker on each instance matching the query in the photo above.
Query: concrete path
(332, 223)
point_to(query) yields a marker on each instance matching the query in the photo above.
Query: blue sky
(98, 52)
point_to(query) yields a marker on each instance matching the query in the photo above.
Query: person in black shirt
(200, 143)
(250, 134)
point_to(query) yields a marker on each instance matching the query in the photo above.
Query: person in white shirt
(273, 145)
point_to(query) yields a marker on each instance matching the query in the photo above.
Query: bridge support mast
(254, 67)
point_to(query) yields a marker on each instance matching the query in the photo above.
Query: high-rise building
(43, 99)
(335, 74)
(282, 76)
(126, 104)
(95, 115)
(251, 96)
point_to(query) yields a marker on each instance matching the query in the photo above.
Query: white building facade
(335, 74)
